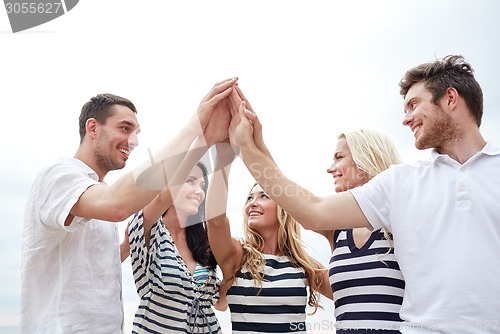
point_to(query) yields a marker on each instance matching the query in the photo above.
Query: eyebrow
(134, 125)
(258, 193)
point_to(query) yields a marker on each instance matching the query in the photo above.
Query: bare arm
(337, 211)
(125, 246)
(325, 289)
(328, 234)
(227, 250)
(135, 190)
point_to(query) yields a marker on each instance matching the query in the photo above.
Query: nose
(407, 119)
(133, 141)
(199, 190)
(332, 168)
(252, 202)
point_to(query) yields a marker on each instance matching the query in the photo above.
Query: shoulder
(67, 166)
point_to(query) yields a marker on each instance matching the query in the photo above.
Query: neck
(175, 223)
(270, 244)
(462, 149)
(85, 155)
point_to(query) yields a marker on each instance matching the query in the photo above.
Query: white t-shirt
(445, 218)
(70, 275)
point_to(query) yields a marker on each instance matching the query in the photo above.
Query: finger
(234, 102)
(254, 119)
(245, 114)
(248, 113)
(242, 97)
(220, 87)
(235, 120)
(218, 97)
(226, 80)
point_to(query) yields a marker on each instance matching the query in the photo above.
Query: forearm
(168, 167)
(219, 231)
(124, 250)
(311, 211)
(155, 172)
(217, 194)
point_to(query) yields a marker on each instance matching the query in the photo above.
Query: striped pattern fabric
(367, 285)
(279, 307)
(170, 299)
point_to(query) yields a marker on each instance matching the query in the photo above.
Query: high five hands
(225, 115)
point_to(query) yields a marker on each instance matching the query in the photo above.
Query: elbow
(118, 214)
(218, 221)
(309, 224)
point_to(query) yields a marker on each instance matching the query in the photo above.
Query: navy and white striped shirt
(367, 284)
(172, 301)
(279, 307)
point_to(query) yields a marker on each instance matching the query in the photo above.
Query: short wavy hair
(451, 71)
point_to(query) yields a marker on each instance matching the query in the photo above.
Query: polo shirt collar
(488, 149)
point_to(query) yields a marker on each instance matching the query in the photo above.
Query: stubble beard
(439, 132)
(104, 158)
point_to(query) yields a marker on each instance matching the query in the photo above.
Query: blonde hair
(372, 152)
(290, 245)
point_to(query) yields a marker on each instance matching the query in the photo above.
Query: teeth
(194, 200)
(254, 214)
(126, 152)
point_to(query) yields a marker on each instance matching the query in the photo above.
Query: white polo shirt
(70, 276)
(445, 218)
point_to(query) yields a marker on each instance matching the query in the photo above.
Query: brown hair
(100, 108)
(451, 71)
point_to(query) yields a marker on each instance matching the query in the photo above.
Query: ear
(91, 128)
(451, 96)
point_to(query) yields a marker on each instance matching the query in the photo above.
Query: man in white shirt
(443, 212)
(70, 270)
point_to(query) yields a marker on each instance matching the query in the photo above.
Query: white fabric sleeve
(374, 200)
(59, 188)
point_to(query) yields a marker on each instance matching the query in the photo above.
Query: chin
(340, 188)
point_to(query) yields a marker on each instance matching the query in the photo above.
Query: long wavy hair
(290, 245)
(196, 230)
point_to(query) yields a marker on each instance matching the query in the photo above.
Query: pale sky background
(311, 69)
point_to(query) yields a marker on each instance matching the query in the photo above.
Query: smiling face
(345, 173)
(432, 127)
(261, 211)
(191, 194)
(115, 139)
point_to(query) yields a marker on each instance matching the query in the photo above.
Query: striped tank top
(279, 307)
(171, 299)
(367, 285)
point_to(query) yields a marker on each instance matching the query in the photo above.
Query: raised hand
(214, 112)
(241, 130)
(235, 99)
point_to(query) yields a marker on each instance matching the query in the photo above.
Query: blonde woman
(265, 277)
(366, 281)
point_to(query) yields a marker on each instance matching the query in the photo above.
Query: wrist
(193, 128)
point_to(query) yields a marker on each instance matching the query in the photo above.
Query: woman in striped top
(174, 269)
(266, 276)
(365, 278)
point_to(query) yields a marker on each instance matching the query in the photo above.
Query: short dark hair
(451, 71)
(100, 108)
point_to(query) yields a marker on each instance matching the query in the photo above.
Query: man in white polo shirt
(443, 212)
(70, 270)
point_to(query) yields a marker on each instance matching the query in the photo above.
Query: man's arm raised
(337, 211)
(136, 189)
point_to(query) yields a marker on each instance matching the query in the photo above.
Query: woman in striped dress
(365, 277)
(173, 267)
(266, 276)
